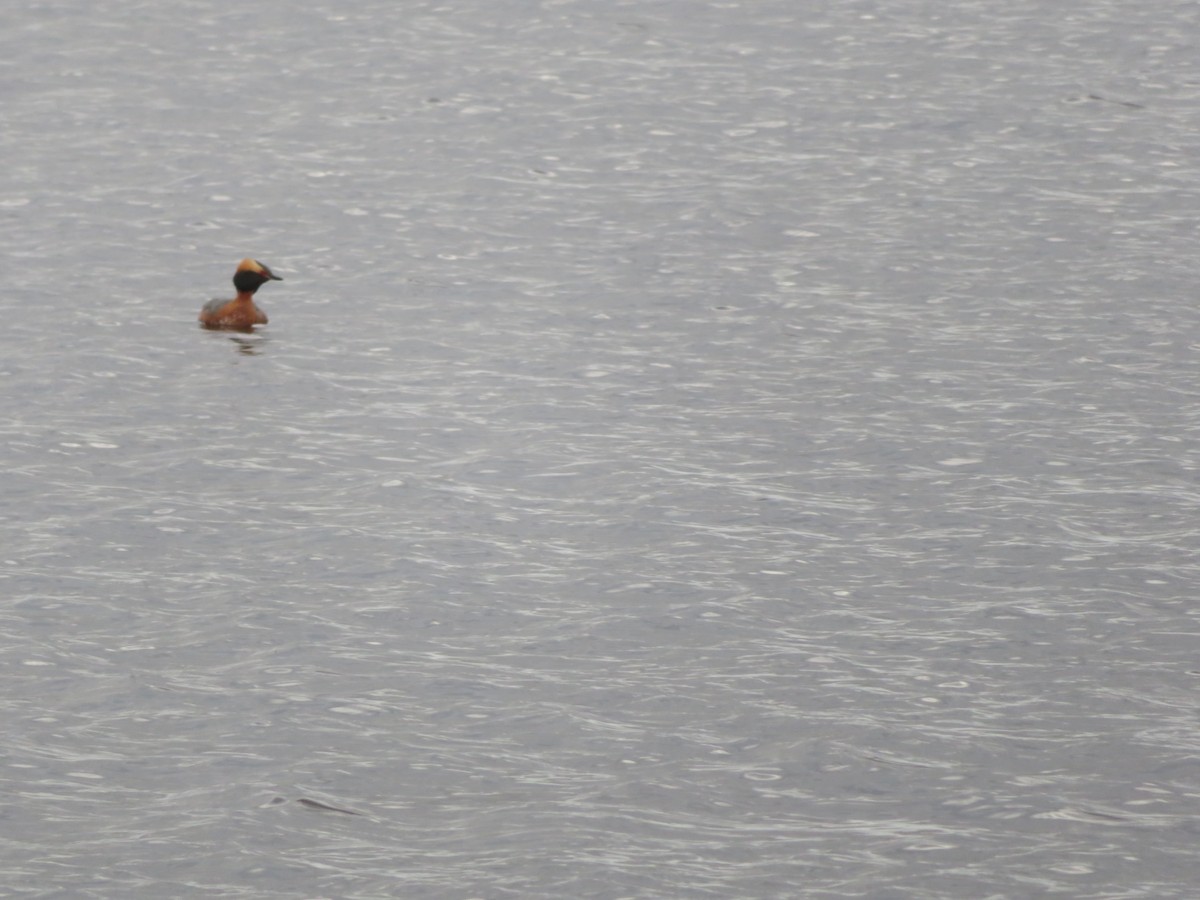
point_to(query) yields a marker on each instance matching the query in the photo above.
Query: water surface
(700, 449)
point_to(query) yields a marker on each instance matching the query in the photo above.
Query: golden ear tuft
(250, 265)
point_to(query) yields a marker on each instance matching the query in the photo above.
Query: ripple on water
(765, 468)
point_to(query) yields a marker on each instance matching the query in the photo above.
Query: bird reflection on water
(248, 346)
(244, 344)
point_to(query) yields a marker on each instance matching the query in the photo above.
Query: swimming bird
(240, 313)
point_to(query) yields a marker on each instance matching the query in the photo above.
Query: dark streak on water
(324, 807)
(717, 449)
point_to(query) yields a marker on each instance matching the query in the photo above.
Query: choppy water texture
(700, 449)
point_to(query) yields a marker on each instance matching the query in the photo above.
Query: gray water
(700, 449)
